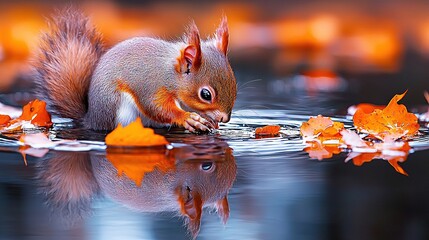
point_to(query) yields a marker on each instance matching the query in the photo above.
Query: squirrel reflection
(183, 180)
(67, 180)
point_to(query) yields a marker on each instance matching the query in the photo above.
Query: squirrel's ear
(190, 56)
(222, 208)
(222, 36)
(191, 206)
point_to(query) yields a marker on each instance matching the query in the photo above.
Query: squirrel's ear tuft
(190, 56)
(222, 36)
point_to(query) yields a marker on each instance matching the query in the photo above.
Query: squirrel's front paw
(196, 123)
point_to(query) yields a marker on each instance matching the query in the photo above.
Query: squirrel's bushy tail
(68, 53)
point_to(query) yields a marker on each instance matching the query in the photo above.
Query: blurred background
(371, 49)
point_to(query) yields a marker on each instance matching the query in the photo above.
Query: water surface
(272, 187)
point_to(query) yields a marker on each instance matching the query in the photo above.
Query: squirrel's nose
(225, 117)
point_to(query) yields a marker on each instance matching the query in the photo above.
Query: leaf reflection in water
(391, 152)
(391, 156)
(135, 163)
(320, 151)
(184, 180)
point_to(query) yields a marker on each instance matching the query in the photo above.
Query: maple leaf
(269, 130)
(321, 126)
(134, 134)
(33, 115)
(391, 123)
(352, 139)
(365, 107)
(35, 112)
(4, 119)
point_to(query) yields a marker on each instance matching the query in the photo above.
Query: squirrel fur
(187, 83)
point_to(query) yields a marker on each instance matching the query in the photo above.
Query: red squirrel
(187, 83)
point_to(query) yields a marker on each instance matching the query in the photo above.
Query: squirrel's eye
(205, 94)
(206, 166)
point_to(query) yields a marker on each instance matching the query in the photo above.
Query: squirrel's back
(64, 63)
(144, 64)
(188, 83)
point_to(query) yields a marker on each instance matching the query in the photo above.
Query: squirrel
(188, 83)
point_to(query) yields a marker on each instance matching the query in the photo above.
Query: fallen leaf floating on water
(134, 134)
(391, 123)
(4, 119)
(333, 131)
(321, 126)
(365, 107)
(35, 112)
(353, 141)
(37, 140)
(33, 115)
(269, 130)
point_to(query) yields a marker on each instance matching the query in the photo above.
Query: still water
(263, 188)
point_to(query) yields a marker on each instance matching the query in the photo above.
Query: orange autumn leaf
(35, 112)
(333, 130)
(388, 124)
(4, 119)
(134, 134)
(271, 130)
(369, 108)
(320, 125)
(135, 165)
(365, 107)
